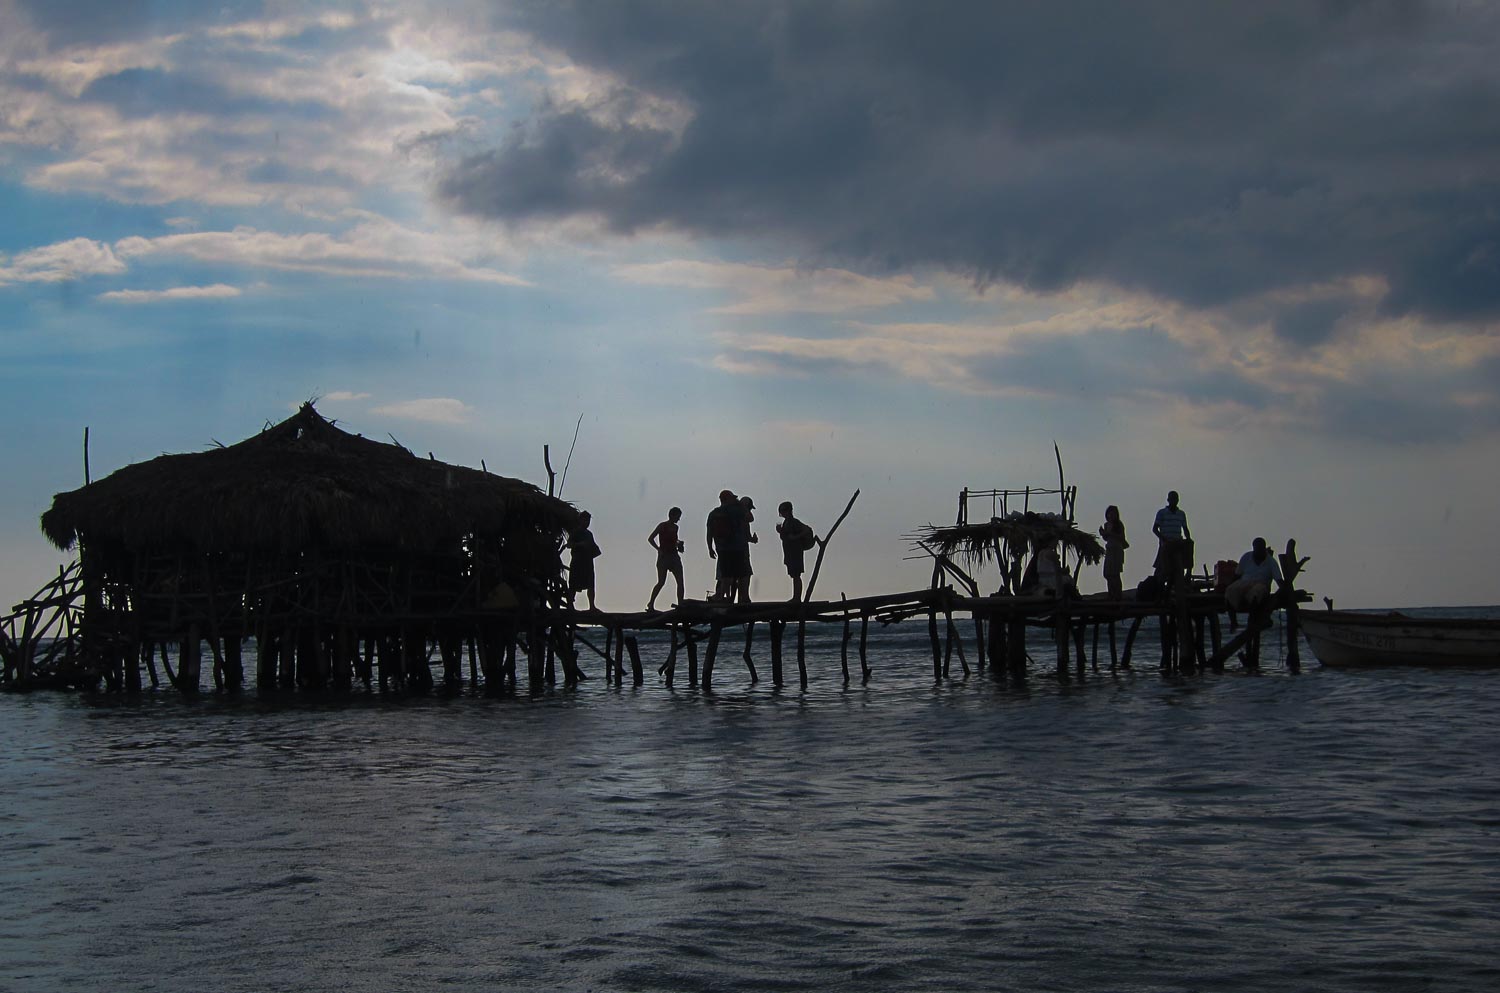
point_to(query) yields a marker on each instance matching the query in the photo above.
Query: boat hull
(1340, 638)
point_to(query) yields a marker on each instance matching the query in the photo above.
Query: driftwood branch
(564, 481)
(551, 476)
(823, 547)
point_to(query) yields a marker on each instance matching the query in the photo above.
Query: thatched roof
(300, 484)
(1024, 532)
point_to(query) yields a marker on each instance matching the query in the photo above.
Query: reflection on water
(1331, 831)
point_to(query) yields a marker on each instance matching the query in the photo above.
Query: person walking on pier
(585, 551)
(1113, 533)
(796, 539)
(669, 548)
(1174, 556)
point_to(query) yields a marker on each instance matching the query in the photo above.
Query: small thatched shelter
(307, 536)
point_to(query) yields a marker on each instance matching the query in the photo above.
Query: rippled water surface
(1328, 831)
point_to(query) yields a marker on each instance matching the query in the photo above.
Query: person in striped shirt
(1174, 554)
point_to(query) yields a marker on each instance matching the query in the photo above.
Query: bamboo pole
(823, 547)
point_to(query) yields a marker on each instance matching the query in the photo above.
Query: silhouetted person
(796, 539)
(747, 538)
(669, 548)
(724, 543)
(1113, 533)
(585, 551)
(1251, 589)
(1174, 554)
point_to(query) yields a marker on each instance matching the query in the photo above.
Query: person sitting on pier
(1251, 590)
(585, 551)
(796, 539)
(1113, 533)
(723, 541)
(669, 548)
(1174, 555)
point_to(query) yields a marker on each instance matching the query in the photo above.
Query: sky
(1250, 252)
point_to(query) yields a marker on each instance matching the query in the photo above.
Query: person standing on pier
(1174, 556)
(747, 538)
(723, 541)
(669, 548)
(796, 539)
(1113, 533)
(585, 551)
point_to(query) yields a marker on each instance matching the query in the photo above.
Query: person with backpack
(796, 539)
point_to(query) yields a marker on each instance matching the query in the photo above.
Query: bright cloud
(435, 410)
(218, 291)
(374, 248)
(66, 260)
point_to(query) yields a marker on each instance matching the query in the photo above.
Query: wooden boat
(1345, 638)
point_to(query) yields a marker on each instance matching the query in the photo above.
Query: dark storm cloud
(1201, 151)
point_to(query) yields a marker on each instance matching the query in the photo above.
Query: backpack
(809, 540)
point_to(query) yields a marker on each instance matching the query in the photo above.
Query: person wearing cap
(747, 538)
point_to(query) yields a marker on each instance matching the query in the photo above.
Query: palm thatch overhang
(306, 485)
(1022, 533)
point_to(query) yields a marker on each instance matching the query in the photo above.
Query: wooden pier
(1007, 637)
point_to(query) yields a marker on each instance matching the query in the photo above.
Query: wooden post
(864, 637)
(996, 647)
(957, 641)
(691, 638)
(1015, 647)
(1081, 661)
(637, 677)
(979, 653)
(714, 632)
(1135, 625)
(234, 665)
(1114, 656)
(750, 662)
(190, 664)
(1291, 568)
(536, 659)
(802, 649)
(1060, 633)
(937, 647)
(844, 643)
(669, 667)
(609, 659)
(777, 629)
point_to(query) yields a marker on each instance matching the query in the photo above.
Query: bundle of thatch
(1019, 533)
(299, 485)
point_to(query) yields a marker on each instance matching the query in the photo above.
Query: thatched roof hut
(1020, 532)
(298, 485)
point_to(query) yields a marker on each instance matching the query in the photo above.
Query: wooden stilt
(844, 644)
(1135, 626)
(637, 677)
(864, 638)
(750, 662)
(802, 651)
(714, 632)
(937, 647)
(778, 628)
(691, 638)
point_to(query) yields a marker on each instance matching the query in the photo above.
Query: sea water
(1331, 830)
